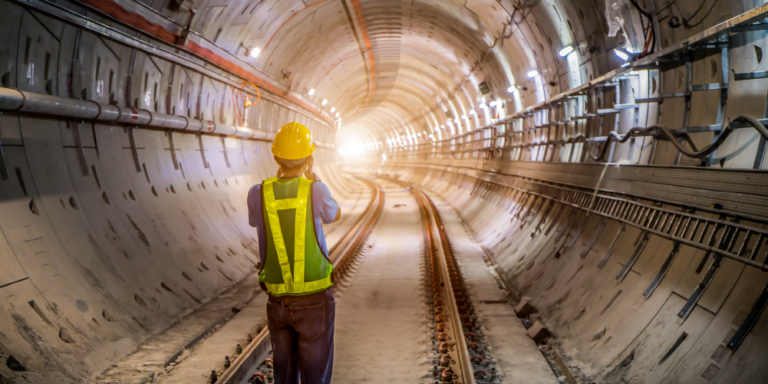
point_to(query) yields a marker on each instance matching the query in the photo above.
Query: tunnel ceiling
(420, 70)
(394, 67)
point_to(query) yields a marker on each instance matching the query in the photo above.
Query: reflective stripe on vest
(292, 283)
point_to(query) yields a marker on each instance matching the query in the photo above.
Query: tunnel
(531, 191)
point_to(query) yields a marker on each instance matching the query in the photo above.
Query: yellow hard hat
(293, 142)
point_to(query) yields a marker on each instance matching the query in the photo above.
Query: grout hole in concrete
(39, 312)
(108, 317)
(14, 365)
(65, 336)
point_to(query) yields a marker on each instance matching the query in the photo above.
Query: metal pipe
(28, 102)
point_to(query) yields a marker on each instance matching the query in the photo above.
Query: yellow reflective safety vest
(295, 263)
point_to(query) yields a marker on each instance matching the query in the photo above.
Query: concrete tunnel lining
(122, 209)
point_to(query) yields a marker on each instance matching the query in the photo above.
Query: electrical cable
(648, 38)
(676, 22)
(258, 92)
(648, 42)
(693, 152)
(634, 2)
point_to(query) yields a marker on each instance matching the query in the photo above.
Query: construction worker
(288, 212)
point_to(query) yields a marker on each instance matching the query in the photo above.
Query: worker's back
(288, 212)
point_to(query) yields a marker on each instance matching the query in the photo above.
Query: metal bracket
(582, 224)
(727, 240)
(79, 143)
(663, 271)
(652, 221)
(635, 255)
(595, 235)
(750, 321)
(169, 133)
(134, 150)
(668, 262)
(615, 243)
(202, 151)
(226, 153)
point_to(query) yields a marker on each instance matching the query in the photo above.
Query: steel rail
(438, 239)
(341, 256)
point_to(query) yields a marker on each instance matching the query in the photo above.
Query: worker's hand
(308, 173)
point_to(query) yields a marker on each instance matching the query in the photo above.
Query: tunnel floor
(382, 321)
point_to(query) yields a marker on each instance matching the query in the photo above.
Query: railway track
(253, 364)
(460, 354)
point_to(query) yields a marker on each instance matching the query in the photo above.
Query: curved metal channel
(258, 350)
(437, 236)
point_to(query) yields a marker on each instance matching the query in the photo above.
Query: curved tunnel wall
(565, 263)
(95, 254)
(98, 255)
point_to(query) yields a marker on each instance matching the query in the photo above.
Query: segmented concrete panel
(605, 328)
(105, 241)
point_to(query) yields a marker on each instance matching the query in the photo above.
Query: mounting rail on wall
(541, 132)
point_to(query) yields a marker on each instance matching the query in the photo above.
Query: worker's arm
(329, 208)
(338, 213)
(309, 174)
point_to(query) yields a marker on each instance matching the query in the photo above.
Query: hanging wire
(596, 151)
(258, 92)
(649, 34)
(238, 101)
(677, 22)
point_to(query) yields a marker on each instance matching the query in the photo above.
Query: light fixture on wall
(255, 52)
(621, 54)
(325, 101)
(311, 92)
(333, 109)
(337, 115)
(472, 112)
(511, 89)
(566, 51)
(533, 73)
